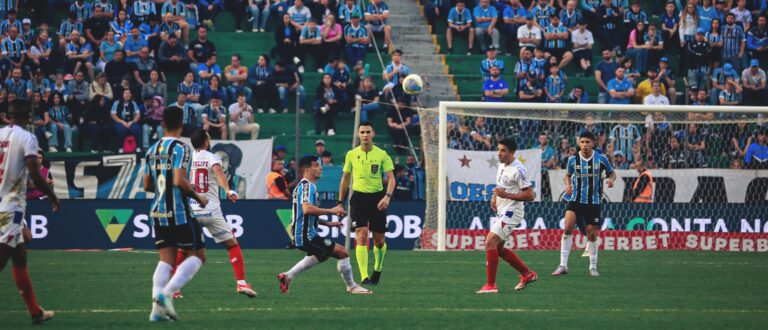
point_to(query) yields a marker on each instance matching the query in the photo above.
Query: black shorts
(556, 52)
(588, 214)
(583, 54)
(188, 236)
(364, 212)
(322, 248)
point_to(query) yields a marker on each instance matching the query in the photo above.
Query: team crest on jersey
(374, 168)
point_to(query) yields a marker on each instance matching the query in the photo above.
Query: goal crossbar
(444, 106)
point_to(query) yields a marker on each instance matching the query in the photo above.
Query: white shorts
(11, 226)
(214, 221)
(506, 223)
(377, 28)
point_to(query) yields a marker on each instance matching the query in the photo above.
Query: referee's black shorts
(364, 211)
(587, 214)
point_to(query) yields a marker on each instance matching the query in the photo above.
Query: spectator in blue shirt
(126, 115)
(757, 152)
(496, 88)
(435, 9)
(604, 72)
(79, 54)
(311, 42)
(570, 16)
(514, 16)
(489, 62)
(65, 29)
(757, 40)
(259, 10)
(208, 10)
(346, 11)
(263, 90)
(631, 17)
(376, 16)
(459, 23)
(58, 118)
(82, 9)
(208, 69)
(356, 37)
(133, 45)
(620, 89)
(670, 21)
(542, 13)
(706, 14)
(548, 154)
(608, 17)
(485, 17)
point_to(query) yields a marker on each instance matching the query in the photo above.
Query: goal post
(442, 125)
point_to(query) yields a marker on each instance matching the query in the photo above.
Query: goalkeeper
(368, 203)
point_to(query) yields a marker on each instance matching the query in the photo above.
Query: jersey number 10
(200, 180)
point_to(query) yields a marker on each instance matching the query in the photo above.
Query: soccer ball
(412, 84)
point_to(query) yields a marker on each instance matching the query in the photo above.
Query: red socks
(491, 265)
(180, 256)
(24, 284)
(512, 258)
(236, 259)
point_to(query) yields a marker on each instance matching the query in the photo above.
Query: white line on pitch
(436, 309)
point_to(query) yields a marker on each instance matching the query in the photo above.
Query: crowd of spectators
(720, 49)
(103, 70)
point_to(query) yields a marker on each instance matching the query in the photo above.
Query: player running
(174, 223)
(206, 165)
(304, 229)
(18, 159)
(585, 171)
(512, 190)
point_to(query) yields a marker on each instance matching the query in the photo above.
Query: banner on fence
(257, 224)
(684, 185)
(472, 174)
(246, 164)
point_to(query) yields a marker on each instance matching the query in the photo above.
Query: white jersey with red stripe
(204, 181)
(16, 144)
(513, 179)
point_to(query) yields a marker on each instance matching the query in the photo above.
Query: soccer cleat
(561, 270)
(177, 295)
(285, 282)
(488, 288)
(167, 306)
(156, 315)
(586, 253)
(593, 272)
(525, 280)
(359, 290)
(246, 290)
(375, 277)
(43, 316)
(366, 281)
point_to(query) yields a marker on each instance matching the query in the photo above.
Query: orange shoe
(488, 288)
(285, 282)
(525, 279)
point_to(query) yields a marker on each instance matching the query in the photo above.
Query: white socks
(592, 247)
(345, 269)
(565, 250)
(184, 273)
(303, 264)
(159, 281)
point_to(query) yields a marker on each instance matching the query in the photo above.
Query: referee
(369, 202)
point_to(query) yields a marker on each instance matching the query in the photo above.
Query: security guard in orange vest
(642, 189)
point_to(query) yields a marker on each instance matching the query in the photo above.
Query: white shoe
(560, 271)
(120, 151)
(260, 110)
(48, 135)
(319, 70)
(593, 272)
(262, 30)
(359, 290)
(324, 109)
(296, 60)
(166, 306)
(138, 149)
(302, 111)
(331, 132)
(238, 31)
(285, 110)
(69, 149)
(301, 69)
(94, 151)
(155, 315)
(272, 110)
(255, 30)
(52, 149)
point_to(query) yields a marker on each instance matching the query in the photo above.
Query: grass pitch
(670, 289)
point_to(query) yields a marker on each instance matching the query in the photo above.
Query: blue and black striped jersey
(170, 207)
(586, 177)
(303, 226)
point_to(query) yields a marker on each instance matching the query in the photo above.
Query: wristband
(339, 202)
(388, 195)
(232, 192)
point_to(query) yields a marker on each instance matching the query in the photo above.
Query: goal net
(707, 192)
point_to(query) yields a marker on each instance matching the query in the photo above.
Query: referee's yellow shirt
(367, 168)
